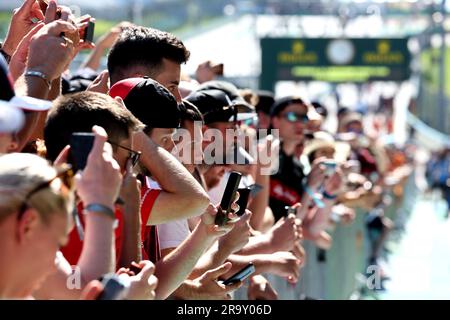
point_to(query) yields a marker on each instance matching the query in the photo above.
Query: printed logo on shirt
(283, 193)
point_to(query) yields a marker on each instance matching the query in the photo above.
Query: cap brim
(30, 104)
(242, 106)
(12, 119)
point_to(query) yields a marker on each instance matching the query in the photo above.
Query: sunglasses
(252, 122)
(134, 155)
(294, 117)
(65, 173)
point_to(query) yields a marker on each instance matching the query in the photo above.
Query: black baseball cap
(266, 100)
(282, 103)
(231, 91)
(216, 106)
(149, 101)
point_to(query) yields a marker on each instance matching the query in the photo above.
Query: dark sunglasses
(65, 173)
(296, 117)
(134, 155)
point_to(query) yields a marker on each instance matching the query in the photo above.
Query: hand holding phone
(135, 268)
(241, 275)
(114, 288)
(290, 210)
(228, 198)
(331, 166)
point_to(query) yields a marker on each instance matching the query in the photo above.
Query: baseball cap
(265, 101)
(8, 96)
(11, 118)
(231, 91)
(322, 139)
(351, 117)
(217, 106)
(149, 101)
(320, 109)
(282, 103)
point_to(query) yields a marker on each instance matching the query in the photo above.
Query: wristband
(5, 55)
(318, 202)
(32, 73)
(96, 207)
(328, 196)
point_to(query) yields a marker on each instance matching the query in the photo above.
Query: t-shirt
(151, 250)
(72, 251)
(286, 186)
(173, 233)
(215, 194)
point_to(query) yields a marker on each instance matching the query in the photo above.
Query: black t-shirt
(286, 187)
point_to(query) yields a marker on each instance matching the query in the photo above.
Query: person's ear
(276, 122)
(27, 225)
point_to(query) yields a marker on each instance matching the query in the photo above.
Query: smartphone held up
(228, 198)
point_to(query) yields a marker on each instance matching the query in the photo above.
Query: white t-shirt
(215, 194)
(173, 233)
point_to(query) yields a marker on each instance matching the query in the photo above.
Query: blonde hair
(20, 174)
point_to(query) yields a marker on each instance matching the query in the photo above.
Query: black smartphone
(114, 288)
(228, 197)
(89, 32)
(244, 195)
(81, 144)
(241, 275)
(135, 269)
(290, 210)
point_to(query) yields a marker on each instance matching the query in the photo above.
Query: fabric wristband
(5, 55)
(328, 196)
(32, 73)
(96, 207)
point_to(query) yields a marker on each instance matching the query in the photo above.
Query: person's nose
(177, 95)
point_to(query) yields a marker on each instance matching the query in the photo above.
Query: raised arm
(182, 196)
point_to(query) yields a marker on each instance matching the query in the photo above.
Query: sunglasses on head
(296, 117)
(65, 173)
(134, 155)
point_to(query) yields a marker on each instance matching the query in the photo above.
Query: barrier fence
(340, 273)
